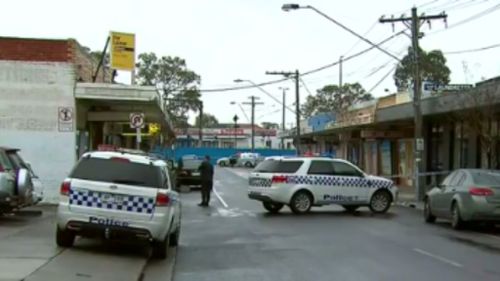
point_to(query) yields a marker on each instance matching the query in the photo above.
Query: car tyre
(456, 219)
(222, 164)
(350, 208)
(380, 202)
(272, 208)
(428, 216)
(248, 165)
(160, 248)
(301, 202)
(174, 237)
(65, 238)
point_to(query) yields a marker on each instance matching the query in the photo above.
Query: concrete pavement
(243, 242)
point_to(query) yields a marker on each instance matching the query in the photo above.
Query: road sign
(420, 144)
(137, 120)
(65, 119)
(122, 51)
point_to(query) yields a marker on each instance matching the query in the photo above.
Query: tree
(432, 66)
(270, 125)
(178, 84)
(332, 98)
(208, 120)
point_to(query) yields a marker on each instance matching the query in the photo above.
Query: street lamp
(290, 7)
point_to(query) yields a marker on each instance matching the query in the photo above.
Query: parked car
(224, 161)
(122, 196)
(16, 181)
(249, 160)
(466, 195)
(188, 171)
(302, 183)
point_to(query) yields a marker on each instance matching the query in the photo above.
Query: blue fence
(216, 153)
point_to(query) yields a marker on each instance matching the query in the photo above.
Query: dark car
(188, 171)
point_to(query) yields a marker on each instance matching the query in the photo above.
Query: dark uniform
(207, 176)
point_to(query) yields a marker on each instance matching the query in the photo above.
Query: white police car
(118, 195)
(305, 182)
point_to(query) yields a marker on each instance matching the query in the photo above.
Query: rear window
(491, 178)
(192, 164)
(117, 171)
(278, 166)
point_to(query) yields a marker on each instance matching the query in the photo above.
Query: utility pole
(200, 125)
(296, 76)
(414, 23)
(253, 103)
(340, 71)
(283, 121)
(235, 119)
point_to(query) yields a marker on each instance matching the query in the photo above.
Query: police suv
(118, 195)
(302, 183)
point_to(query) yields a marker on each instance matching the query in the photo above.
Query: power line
(469, 19)
(305, 73)
(383, 79)
(472, 50)
(305, 87)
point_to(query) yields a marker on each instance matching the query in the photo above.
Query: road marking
(445, 260)
(220, 198)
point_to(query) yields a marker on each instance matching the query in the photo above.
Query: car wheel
(222, 164)
(272, 208)
(301, 202)
(248, 165)
(174, 237)
(428, 216)
(350, 208)
(65, 238)
(380, 202)
(160, 248)
(456, 219)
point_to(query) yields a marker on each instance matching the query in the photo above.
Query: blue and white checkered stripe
(136, 204)
(339, 181)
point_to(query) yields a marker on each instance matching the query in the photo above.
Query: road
(243, 242)
(235, 239)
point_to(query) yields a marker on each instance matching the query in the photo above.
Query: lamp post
(284, 89)
(235, 119)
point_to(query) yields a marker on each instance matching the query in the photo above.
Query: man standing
(207, 176)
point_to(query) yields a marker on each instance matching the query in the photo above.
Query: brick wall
(26, 49)
(85, 64)
(48, 50)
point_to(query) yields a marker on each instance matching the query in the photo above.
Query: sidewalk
(407, 198)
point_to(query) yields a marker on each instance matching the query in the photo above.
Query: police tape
(425, 174)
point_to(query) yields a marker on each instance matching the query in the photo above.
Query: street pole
(297, 109)
(413, 23)
(200, 125)
(283, 121)
(253, 103)
(235, 119)
(296, 76)
(340, 71)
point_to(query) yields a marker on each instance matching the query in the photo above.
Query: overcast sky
(227, 39)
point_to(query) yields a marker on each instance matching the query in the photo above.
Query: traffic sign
(137, 120)
(420, 144)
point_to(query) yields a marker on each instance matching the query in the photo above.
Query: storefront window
(385, 155)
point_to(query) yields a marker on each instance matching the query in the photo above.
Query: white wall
(30, 97)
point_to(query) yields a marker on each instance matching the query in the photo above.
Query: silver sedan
(466, 195)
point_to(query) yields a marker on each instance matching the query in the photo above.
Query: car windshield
(120, 172)
(278, 166)
(491, 178)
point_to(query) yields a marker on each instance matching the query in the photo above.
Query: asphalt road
(238, 240)
(235, 239)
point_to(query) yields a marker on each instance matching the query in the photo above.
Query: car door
(324, 184)
(442, 199)
(351, 182)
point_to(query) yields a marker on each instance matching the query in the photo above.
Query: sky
(224, 40)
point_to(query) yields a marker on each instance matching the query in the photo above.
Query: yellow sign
(154, 128)
(122, 51)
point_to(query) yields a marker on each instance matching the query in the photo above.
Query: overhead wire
(469, 19)
(472, 50)
(307, 72)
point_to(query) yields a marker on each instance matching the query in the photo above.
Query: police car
(119, 195)
(302, 183)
